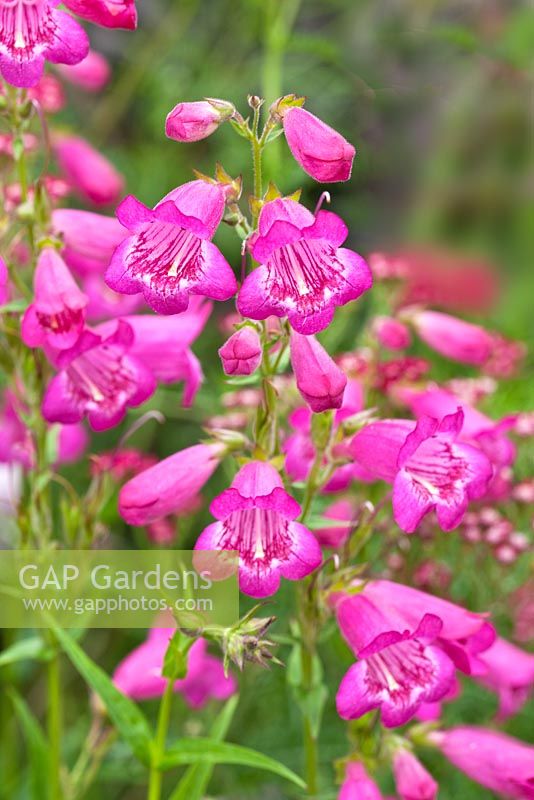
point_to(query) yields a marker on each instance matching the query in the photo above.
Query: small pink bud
(412, 780)
(321, 151)
(241, 354)
(506, 554)
(191, 122)
(319, 380)
(391, 333)
(88, 171)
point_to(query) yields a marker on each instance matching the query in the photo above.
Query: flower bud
(191, 122)
(241, 354)
(319, 380)
(321, 151)
(452, 337)
(88, 171)
(391, 333)
(412, 780)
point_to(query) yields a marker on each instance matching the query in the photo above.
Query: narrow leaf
(37, 747)
(32, 648)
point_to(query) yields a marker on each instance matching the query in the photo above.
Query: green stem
(156, 776)
(308, 626)
(54, 727)
(257, 151)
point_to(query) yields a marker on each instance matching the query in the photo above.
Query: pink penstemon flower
(32, 31)
(391, 333)
(89, 239)
(57, 315)
(304, 272)
(4, 282)
(91, 74)
(412, 780)
(398, 668)
(358, 785)
(88, 172)
(99, 379)
(241, 353)
(319, 380)
(510, 673)
(169, 254)
(427, 465)
(256, 517)
(191, 122)
(108, 13)
(452, 337)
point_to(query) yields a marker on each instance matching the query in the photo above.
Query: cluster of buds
(490, 526)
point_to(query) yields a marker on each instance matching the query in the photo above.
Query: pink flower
(500, 763)
(108, 13)
(57, 315)
(358, 785)
(321, 151)
(428, 467)
(91, 74)
(412, 780)
(90, 239)
(49, 93)
(163, 344)
(191, 122)
(32, 31)
(319, 380)
(241, 353)
(304, 272)
(104, 303)
(464, 635)
(4, 282)
(397, 670)
(391, 333)
(256, 517)
(510, 673)
(99, 378)
(10, 489)
(88, 171)
(170, 485)
(169, 255)
(139, 675)
(452, 337)
(336, 536)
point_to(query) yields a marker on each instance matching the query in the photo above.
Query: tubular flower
(319, 380)
(241, 353)
(108, 13)
(169, 486)
(169, 255)
(256, 517)
(464, 635)
(412, 780)
(91, 74)
(304, 272)
(32, 31)
(321, 151)
(88, 171)
(453, 338)
(398, 669)
(358, 785)
(99, 378)
(428, 467)
(494, 760)
(139, 675)
(391, 333)
(510, 673)
(191, 122)
(90, 239)
(57, 315)
(4, 282)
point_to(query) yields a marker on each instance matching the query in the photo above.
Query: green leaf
(37, 747)
(129, 721)
(194, 783)
(209, 751)
(32, 648)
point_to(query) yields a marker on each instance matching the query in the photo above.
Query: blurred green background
(435, 96)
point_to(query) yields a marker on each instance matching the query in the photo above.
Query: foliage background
(435, 97)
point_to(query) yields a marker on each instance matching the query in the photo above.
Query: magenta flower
(319, 380)
(256, 517)
(428, 467)
(191, 122)
(91, 74)
(108, 13)
(241, 353)
(4, 282)
(358, 785)
(304, 272)
(452, 337)
(412, 780)
(169, 486)
(57, 315)
(464, 635)
(32, 31)
(163, 345)
(139, 675)
(90, 239)
(391, 333)
(169, 255)
(397, 670)
(500, 763)
(321, 151)
(90, 174)
(99, 378)
(510, 673)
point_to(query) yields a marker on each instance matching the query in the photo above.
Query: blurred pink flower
(391, 333)
(108, 13)
(256, 517)
(510, 673)
(90, 173)
(452, 337)
(4, 282)
(319, 380)
(304, 272)
(336, 536)
(169, 255)
(358, 785)
(90, 239)
(139, 674)
(91, 74)
(320, 150)
(241, 353)
(412, 780)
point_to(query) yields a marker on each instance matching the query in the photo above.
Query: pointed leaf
(37, 747)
